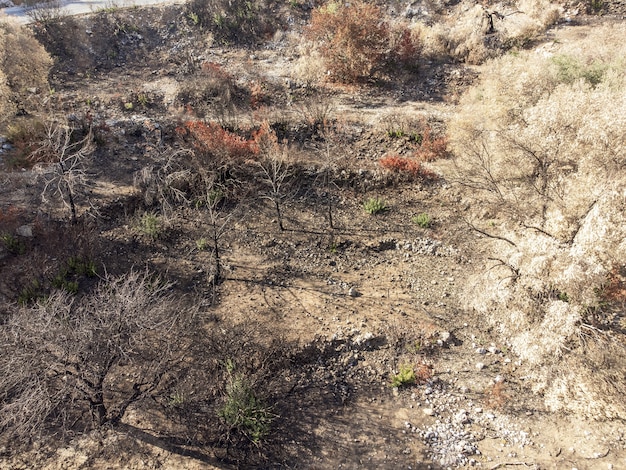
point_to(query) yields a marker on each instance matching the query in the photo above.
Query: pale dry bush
(24, 65)
(7, 107)
(466, 33)
(309, 68)
(548, 156)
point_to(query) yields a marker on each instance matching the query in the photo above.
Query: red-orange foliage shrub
(398, 164)
(431, 148)
(214, 140)
(407, 165)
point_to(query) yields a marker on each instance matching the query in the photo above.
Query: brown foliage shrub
(212, 91)
(423, 372)
(24, 67)
(496, 396)
(355, 44)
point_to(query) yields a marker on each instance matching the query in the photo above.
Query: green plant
(13, 244)
(404, 377)
(571, 69)
(243, 410)
(202, 244)
(150, 225)
(375, 205)
(422, 220)
(81, 267)
(142, 99)
(195, 19)
(61, 282)
(177, 399)
(128, 106)
(30, 293)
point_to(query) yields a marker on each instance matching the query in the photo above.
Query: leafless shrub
(46, 11)
(98, 354)
(276, 172)
(61, 156)
(169, 180)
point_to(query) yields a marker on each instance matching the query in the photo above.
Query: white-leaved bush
(540, 142)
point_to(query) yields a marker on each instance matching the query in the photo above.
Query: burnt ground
(339, 310)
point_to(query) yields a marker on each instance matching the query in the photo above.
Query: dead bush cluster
(68, 358)
(539, 143)
(356, 45)
(212, 92)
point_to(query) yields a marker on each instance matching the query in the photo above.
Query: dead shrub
(544, 150)
(356, 45)
(473, 33)
(25, 134)
(212, 92)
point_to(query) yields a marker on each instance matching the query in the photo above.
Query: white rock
(428, 411)
(480, 366)
(25, 231)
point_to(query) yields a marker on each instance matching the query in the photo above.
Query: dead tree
(276, 172)
(62, 163)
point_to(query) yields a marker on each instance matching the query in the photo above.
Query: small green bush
(150, 225)
(405, 376)
(571, 69)
(245, 412)
(375, 205)
(13, 244)
(202, 244)
(422, 220)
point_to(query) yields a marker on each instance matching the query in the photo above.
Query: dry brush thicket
(473, 32)
(541, 144)
(24, 67)
(84, 361)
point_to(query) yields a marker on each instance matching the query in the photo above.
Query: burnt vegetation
(174, 250)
